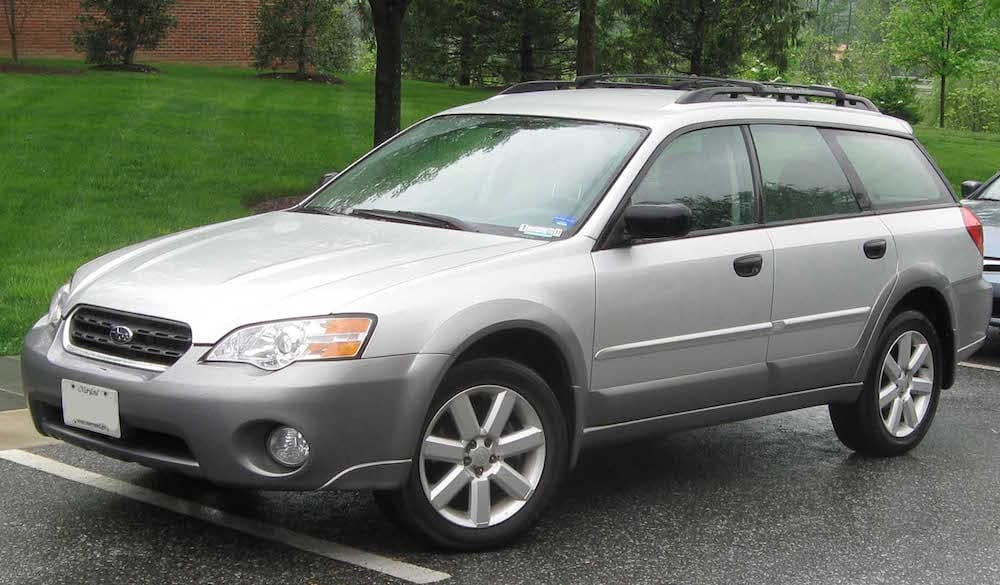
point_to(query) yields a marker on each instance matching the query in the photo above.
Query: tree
(304, 32)
(538, 34)
(586, 38)
(337, 37)
(387, 20)
(124, 27)
(446, 40)
(497, 42)
(943, 36)
(710, 37)
(14, 13)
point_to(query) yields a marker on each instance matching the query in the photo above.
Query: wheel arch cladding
(529, 334)
(922, 287)
(932, 304)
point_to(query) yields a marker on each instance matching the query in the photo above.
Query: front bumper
(994, 279)
(362, 418)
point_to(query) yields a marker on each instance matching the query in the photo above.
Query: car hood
(988, 213)
(274, 266)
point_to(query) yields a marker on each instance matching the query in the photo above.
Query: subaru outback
(450, 320)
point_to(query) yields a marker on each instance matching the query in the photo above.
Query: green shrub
(336, 41)
(124, 27)
(895, 97)
(308, 33)
(975, 108)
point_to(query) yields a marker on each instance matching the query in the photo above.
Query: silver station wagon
(449, 321)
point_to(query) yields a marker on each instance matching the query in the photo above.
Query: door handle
(875, 249)
(747, 266)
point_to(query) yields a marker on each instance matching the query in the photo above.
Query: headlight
(272, 346)
(58, 305)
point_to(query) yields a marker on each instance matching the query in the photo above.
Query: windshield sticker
(540, 230)
(564, 221)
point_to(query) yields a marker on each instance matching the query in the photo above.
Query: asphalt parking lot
(774, 500)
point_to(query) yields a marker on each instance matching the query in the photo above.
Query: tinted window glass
(893, 170)
(800, 174)
(707, 170)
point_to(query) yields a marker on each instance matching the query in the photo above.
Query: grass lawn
(93, 162)
(962, 155)
(96, 161)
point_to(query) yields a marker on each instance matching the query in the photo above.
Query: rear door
(683, 323)
(833, 258)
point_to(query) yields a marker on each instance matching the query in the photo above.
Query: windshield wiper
(318, 211)
(416, 217)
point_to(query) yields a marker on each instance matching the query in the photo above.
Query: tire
(493, 517)
(897, 405)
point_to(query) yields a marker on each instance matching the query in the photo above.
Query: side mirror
(651, 220)
(327, 177)
(970, 187)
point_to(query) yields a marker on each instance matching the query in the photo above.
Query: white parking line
(979, 366)
(323, 548)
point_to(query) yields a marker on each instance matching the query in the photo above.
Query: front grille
(153, 340)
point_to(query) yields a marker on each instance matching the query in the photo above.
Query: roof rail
(530, 86)
(702, 89)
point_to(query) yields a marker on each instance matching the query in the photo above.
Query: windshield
(515, 175)
(991, 192)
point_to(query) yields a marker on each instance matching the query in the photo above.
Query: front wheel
(493, 452)
(900, 393)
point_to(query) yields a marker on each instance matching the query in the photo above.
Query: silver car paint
(684, 343)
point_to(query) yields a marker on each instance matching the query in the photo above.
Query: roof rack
(703, 89)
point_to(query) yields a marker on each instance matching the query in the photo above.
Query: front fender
(474, 323)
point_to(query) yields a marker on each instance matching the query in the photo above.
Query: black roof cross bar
(795, 93)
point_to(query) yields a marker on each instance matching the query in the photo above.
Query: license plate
(91, 408)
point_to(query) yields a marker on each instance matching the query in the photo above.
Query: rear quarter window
(894, 171)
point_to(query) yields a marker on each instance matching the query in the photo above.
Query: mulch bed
(37, 69)
(135, 68)
(276, 204)
(310, 77)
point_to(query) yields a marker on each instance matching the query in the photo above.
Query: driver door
(683, 324)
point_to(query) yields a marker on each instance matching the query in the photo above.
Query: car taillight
(974, 227)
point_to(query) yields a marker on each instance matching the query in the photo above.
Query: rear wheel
(900, 393)
(492, 454)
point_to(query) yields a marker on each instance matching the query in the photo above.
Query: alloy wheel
(906, 384)
(482, 456)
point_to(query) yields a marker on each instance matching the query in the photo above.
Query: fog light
(288, 447)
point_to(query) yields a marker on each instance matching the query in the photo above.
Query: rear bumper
(362, 418)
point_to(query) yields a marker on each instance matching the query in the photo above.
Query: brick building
(208, 31)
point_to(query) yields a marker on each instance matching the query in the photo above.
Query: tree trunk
(527, 58)
(586, 38)
(698, 42)
(12, 29)
(130, 56)
(850, 17)
(944, 80)
(300, 70)
(465, 57)
(387, 18)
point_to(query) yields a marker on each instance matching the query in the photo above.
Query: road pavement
(773, 500)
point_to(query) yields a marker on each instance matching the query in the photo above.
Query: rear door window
(802, 178)
(894, 171)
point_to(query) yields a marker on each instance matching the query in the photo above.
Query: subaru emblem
(120, 334)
